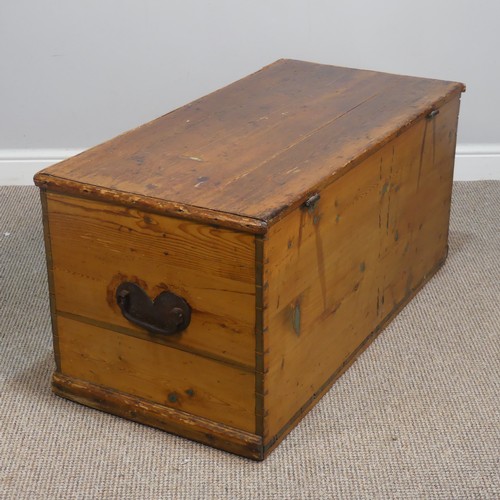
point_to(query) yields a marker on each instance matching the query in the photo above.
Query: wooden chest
(214, 271)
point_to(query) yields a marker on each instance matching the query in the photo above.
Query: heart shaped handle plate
(165, 315)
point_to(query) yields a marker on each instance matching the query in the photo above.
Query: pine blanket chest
(214, 271)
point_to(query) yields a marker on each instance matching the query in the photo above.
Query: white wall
(75, 73)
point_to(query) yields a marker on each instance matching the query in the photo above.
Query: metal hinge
(432, 114)
(310, 203)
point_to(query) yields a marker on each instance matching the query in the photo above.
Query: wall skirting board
(475, 162)
(17, 166)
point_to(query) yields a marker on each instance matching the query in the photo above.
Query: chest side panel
(335, 273)
(96, 246)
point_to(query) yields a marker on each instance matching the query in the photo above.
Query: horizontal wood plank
(157, 373)
(145, 412)
(96, 246)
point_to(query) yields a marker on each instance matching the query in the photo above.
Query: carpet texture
(417, 416)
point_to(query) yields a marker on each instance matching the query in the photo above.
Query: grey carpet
(417, 415)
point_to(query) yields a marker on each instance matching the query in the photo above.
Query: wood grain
(168, 419)
(208, 202)
(158, 373)
(272, 443)
(50, 277)
(334, 272)
(248, 154)
(96, 246)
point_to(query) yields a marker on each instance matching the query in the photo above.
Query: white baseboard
(17, 166)
(474, 162)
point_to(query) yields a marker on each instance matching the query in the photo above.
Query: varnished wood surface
(96, 246)
(50, 277)
(295, 419)
(207, 202)
(335, 272)
(250, 153)
(157, 373)
(156, 415)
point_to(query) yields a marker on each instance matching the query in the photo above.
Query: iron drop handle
(165, 315)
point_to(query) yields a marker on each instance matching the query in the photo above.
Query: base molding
(145, 412)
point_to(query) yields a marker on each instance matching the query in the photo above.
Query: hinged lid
(249, 153)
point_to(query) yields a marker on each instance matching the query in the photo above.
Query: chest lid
(247, 154)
